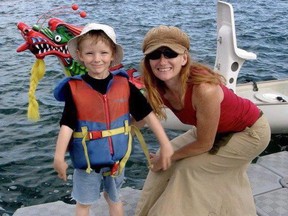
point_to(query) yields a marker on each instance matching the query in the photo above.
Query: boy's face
(97, 57)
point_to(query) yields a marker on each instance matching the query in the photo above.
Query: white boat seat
(271, 97)
(244, 54)
(229, 58)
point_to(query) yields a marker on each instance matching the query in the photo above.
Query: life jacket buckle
(94, 135)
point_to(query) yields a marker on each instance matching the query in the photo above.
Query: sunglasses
(167, 53)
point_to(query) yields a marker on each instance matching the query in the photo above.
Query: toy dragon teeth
(51, 40)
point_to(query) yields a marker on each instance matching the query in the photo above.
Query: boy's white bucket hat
(109, 31)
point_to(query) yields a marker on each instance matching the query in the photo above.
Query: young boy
(100, 102)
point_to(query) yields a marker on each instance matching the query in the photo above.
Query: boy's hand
(166, 153)
(155, 164)
(60, 167)
(163, 160)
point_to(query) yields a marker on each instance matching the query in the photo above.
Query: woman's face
(166, 64)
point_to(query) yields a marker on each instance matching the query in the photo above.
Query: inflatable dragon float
(52, 39)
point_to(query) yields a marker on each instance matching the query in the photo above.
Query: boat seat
(229, 58)
(271, 97)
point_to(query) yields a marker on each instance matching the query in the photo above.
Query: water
(26, 150)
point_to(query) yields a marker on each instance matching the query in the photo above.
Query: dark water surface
(26, 150)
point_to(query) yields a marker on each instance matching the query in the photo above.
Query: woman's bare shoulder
(206, 89)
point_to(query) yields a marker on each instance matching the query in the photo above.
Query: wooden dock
(269, 181)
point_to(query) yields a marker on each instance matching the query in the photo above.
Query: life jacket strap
(142, 142)
(84, 136)
(118, 167)
(91, 135)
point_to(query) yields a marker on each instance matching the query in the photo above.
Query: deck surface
(268, 177)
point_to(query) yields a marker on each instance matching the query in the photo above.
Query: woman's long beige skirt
(207, 185)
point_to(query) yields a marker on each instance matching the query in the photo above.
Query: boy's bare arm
(59, 164)
(166, 150)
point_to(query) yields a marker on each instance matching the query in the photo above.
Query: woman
(208, 175)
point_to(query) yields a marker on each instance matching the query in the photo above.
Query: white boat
(270, 96)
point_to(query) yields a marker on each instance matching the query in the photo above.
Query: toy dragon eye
(58, 38)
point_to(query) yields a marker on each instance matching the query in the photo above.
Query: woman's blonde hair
(192, 73)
